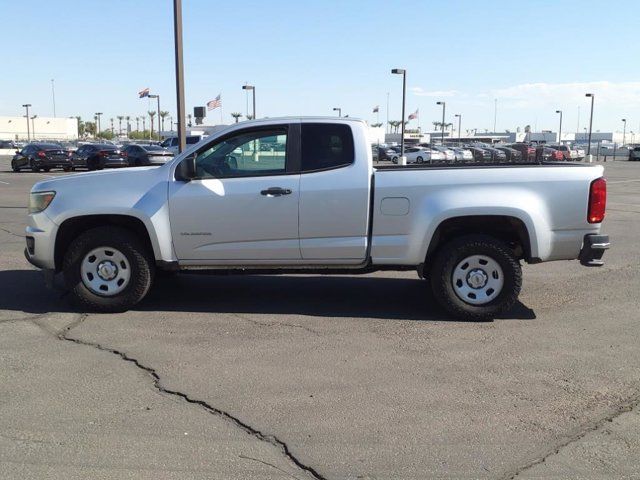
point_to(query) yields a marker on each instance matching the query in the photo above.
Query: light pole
(590, 123)
(403, 72)
(495, 113)
(624, 131)
(339, 110)
(443, 107)
(98, 114)
(459, 116)
(253, 92)
(53, 97)
(157, 97)
(33, 126)
(560, 129)
(27, 105)
(177, 33)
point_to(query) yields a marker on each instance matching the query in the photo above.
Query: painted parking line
(5, 183)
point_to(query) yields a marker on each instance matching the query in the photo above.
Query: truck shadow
(367, 296)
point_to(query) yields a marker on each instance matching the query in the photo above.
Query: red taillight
(597, 200)
(124, 154)
(41, 154)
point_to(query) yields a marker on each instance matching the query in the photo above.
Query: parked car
(634, 154)
(577, 153)
(8, 145)
(466, 231)
(512, 154)
(527, 151)
(479, 154)
(496, 155)
(171, 143)
(422, 155)
(566, 151)
(96, 156)
(548, 154)
(41, 156)
(449, 154)
(143, 155)
(462, 154)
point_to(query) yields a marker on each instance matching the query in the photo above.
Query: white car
(577, 153)
(313, 202)
(449, 154)
(171, 143)
(463, 154)
(422, 155)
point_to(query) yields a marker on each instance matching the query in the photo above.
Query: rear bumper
(52, 162)
(593, 250)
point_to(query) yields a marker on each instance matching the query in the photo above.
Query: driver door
(242, 208)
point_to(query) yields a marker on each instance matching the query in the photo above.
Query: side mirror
(17, 152)
(186, 170)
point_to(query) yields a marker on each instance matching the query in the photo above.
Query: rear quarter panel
(551, 201)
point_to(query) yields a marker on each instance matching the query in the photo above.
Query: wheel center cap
(107, 270)
(477, 278)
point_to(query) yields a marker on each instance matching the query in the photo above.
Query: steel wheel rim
(105, 271)
(478, 279)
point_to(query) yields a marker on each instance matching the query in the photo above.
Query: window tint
(247, 154)
(326, 146)
(191, 140)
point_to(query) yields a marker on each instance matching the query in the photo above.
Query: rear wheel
(476, 277)
(108, 269)
(419, 160)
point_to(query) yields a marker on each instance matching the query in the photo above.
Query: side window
(248, 154)
(326, 145)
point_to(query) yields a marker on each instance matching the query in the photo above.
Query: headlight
(39, 201)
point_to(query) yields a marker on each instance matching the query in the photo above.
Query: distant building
(40, 128)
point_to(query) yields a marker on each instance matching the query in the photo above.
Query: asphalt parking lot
(355, 377)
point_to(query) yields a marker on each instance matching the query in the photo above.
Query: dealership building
(40, 128)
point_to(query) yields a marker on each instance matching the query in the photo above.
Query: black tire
(66, 169)
(33, 166)
(14, 166)
(394, 159)
(419, 160)
(46, 169)
(454, 252)
(140, 260)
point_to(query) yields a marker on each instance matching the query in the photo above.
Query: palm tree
(437, 125)
(236, 115)
(128, 118)
(151, 115)
(137, 124)
(163, 115)
(120, 118)
(376, 125)
(249, 117)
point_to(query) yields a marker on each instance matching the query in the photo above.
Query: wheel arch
(74, 226)
(510, 229)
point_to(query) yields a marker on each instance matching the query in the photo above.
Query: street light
(33, 126)
(590, 123)
(403, 72)
(459, 116)
(624, 131)
(443, 107)
(98, 114)
(158, 97)
(339, 110)
(27, 105)
(560, 129)
(253, 92)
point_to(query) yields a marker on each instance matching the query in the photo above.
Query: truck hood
(97, 178)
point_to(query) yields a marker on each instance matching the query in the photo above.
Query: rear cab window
(326, 146)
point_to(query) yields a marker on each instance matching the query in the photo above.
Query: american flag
(414, 115)
(143, 93)
(215, 103)
(376, 109)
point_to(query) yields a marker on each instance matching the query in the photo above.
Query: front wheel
(33, 166)
(476, 277)
(419, 160)
(108, 269)
(14, 166)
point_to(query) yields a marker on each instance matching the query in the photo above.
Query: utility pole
(443, 107)
(177, 32)
(27, 105)
(560, 129)
(590, 124)
(403, 72)
(459, 127)
(53, 96)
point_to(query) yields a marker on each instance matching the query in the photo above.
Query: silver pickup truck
(302, 195)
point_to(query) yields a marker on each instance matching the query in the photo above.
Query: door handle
(275, 191)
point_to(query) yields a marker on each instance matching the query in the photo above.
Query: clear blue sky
(306, 57)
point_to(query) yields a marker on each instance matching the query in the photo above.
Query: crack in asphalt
(578, 434)
(11, 233)
(157, 383)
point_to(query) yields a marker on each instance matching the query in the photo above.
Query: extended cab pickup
(303, 195)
